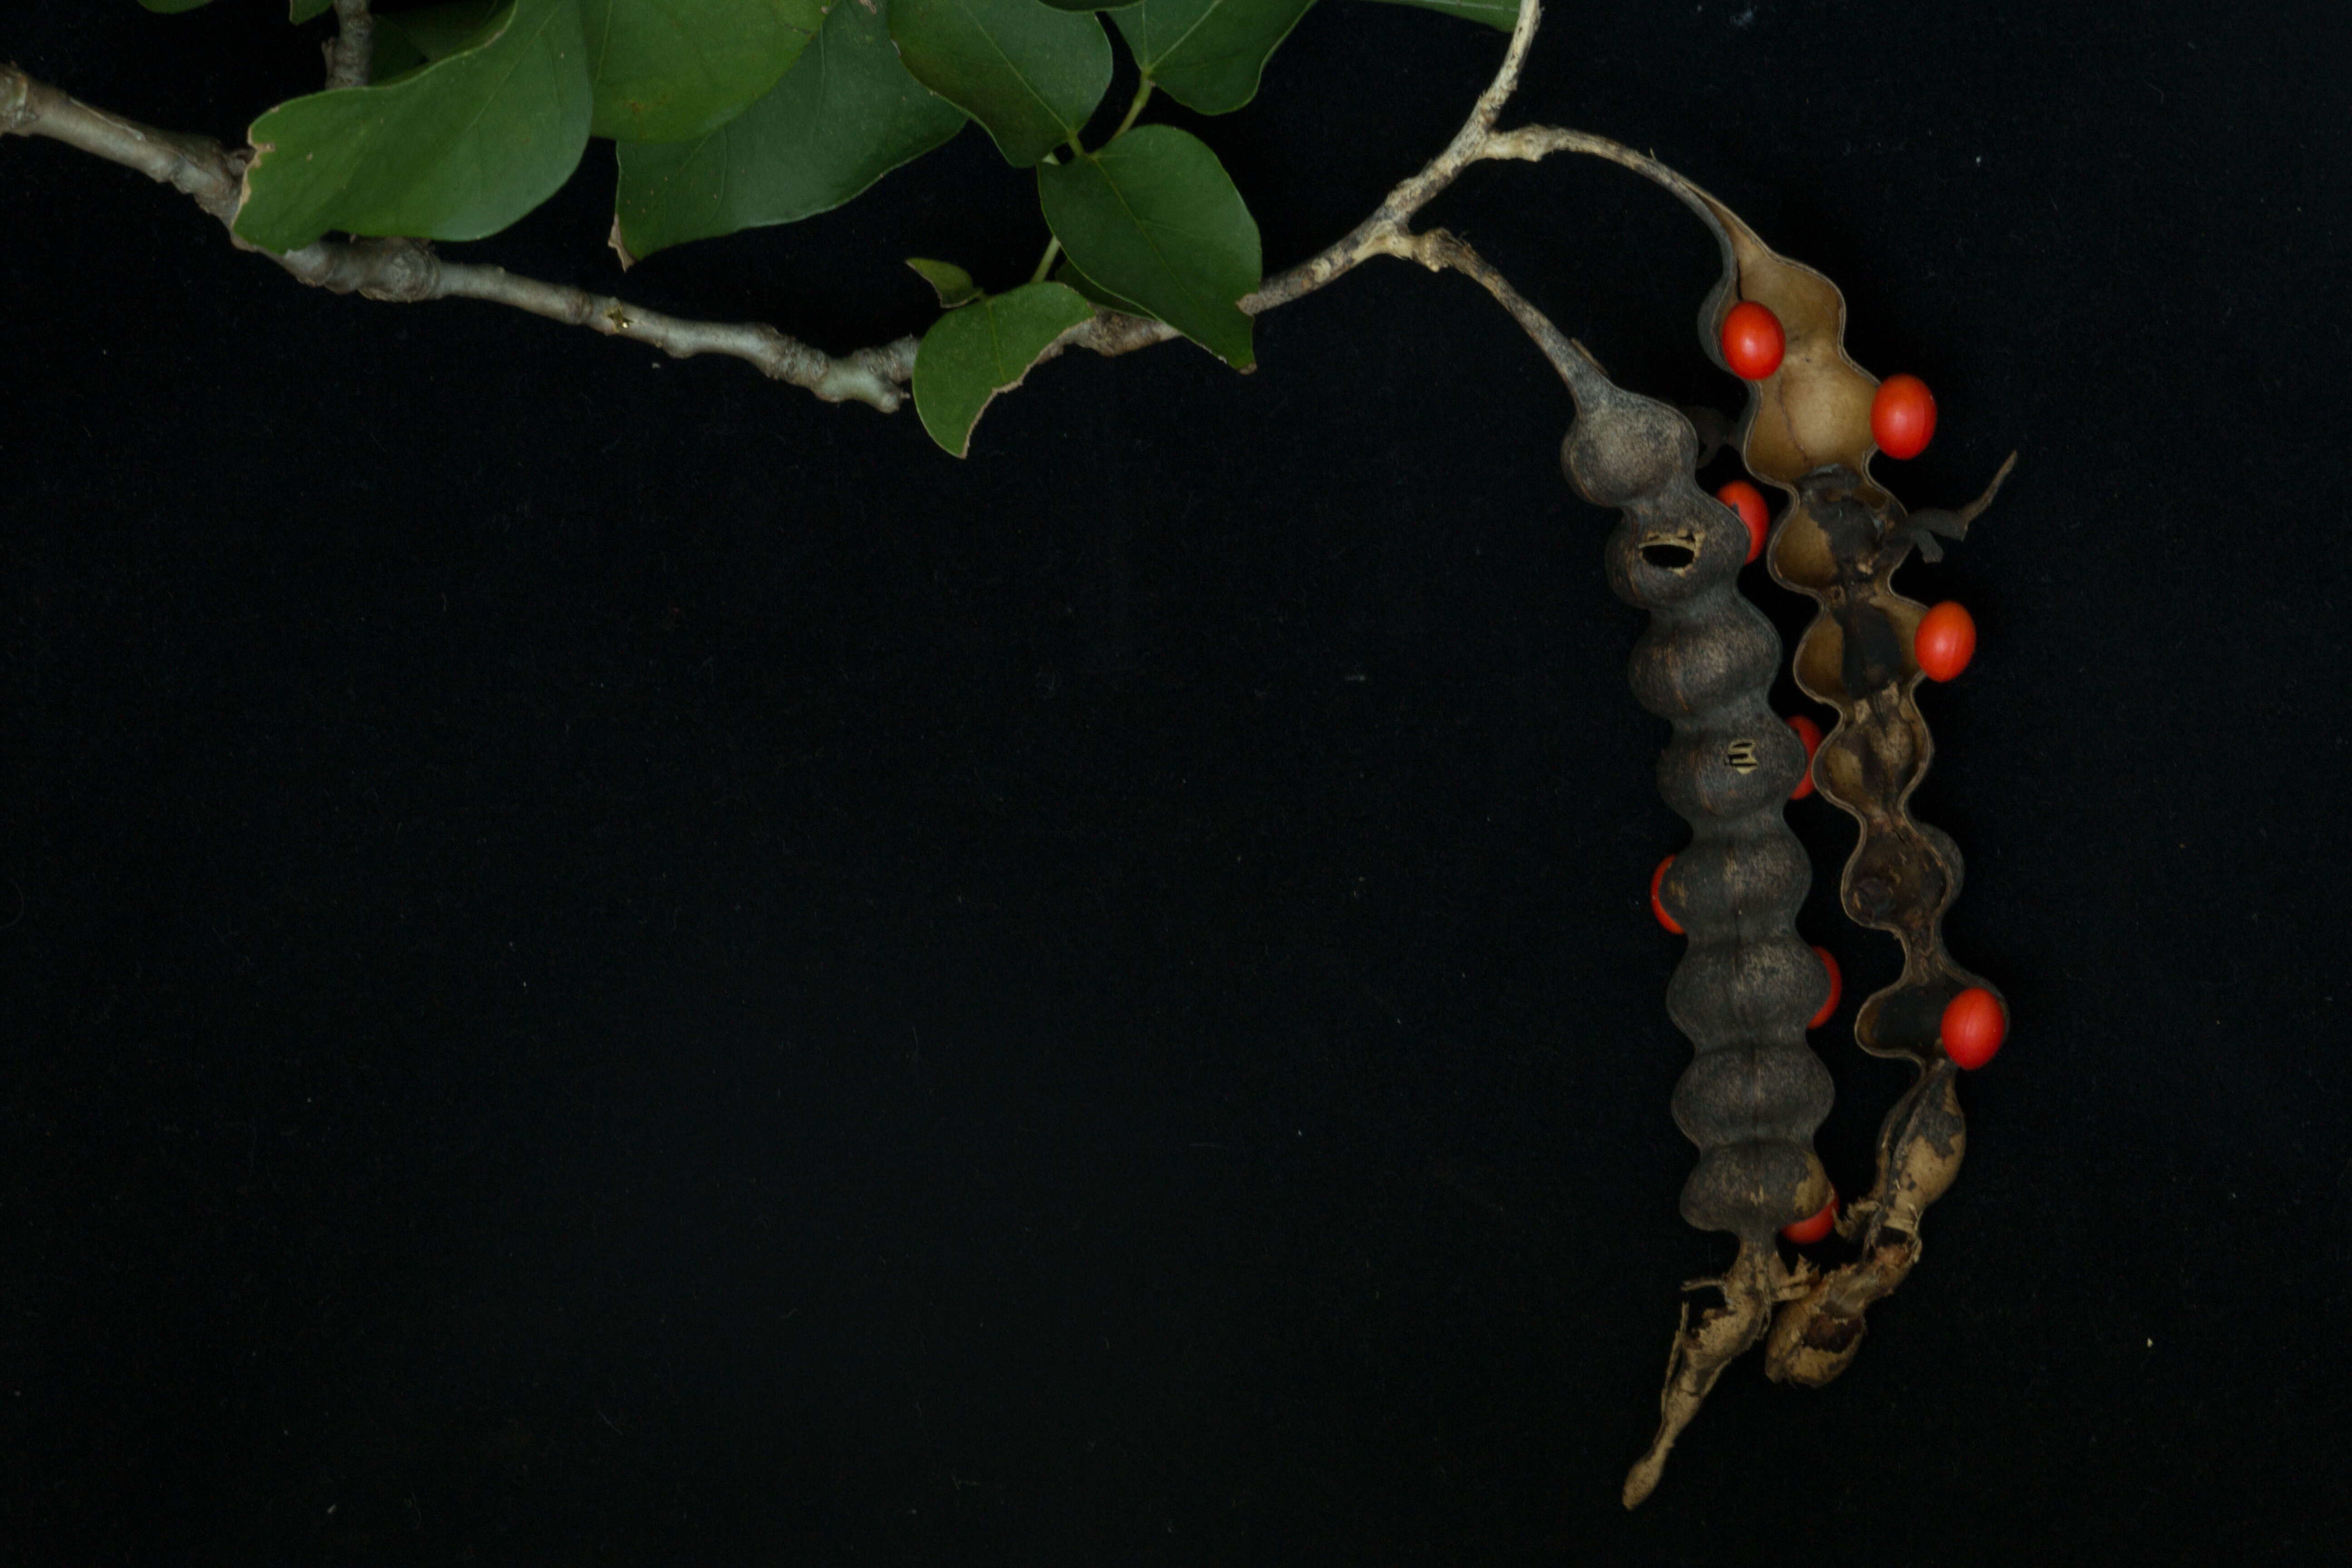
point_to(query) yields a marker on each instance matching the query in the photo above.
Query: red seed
(1748, 502)
(1806, 1232)
(1945, 640)
(1753, 342)
(1837, 988)
(1658, 905)
(1810, 735)
(1903, 416)
(1975, 1024)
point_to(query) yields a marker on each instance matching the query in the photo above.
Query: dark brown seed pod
(1754, 1092)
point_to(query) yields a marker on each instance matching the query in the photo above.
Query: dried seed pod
(1807, 430)
(1754, 1092)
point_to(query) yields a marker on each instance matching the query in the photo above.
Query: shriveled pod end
(1808, 1347)
(1926, 1159)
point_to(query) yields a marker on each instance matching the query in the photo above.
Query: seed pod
(1808, 431)
(1754, 1091)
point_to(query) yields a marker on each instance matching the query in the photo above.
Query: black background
(612, 964)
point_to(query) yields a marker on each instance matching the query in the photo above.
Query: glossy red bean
(1903, 416)
(1837, 988)
(1748, 502)
(1657, 905)
(1945, 640)
(1753, 342)
(1975, 1024)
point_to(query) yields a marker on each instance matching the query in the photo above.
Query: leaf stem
(1143, 97)
(1046, 262)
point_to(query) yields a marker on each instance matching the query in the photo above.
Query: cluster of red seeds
(1902, 421)
(1902, 413)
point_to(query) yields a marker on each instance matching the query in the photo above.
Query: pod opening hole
(1669, 556)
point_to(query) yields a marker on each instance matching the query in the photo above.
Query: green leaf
(460, 149)
(972, 354)
(843, 118)
(173, 7)
(1070, 277)
(408, 39)
(1030, 74)
(393, 58)
(669, 69)
(298, 11)
(435, 31)
(1154, 217)
(1207, 55)
(1503, 14)
(954, 284)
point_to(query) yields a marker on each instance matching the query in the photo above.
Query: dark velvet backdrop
(603, 962)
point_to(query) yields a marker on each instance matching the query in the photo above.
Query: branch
(351, 53)
(1388, 231)
(193, 166)
(1112, 333)
(1403, 204)
(408, 270)
(1533, 143)
(1439, 250)
(871, 375)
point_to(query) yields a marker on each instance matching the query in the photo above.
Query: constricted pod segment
(1748, 985)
